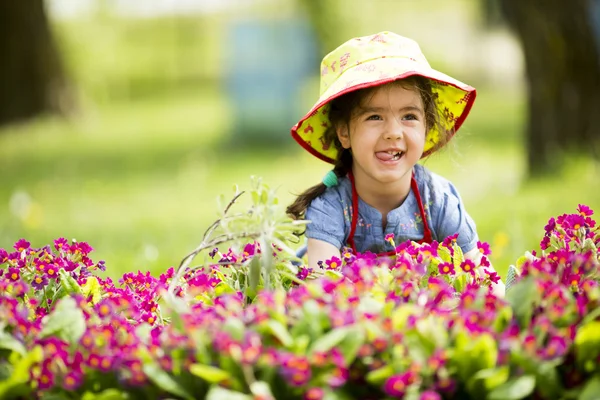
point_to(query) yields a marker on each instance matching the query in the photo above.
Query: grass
(137, 174)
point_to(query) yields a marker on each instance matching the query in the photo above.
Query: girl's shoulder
(433, 186)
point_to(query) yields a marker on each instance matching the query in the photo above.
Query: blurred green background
(136, 169)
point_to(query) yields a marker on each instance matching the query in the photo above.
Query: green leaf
(486, 380)
(219, 393)
(474, 354)
(261, 390)
(444, 254)
(350, 346)
(20, 374)
(66, 321)
(459, 257)
(514, 389)
(163, 380)
(548, 380)
(8, 341)
(278, 330)
(460, 282)
(329, 340)
(209, 373)
(92, 287)
(522, 297)
(235, 327)
(254, 272)
(108, 394)
(380, 375)
(69, 284)
(591, 389)
(587, 342)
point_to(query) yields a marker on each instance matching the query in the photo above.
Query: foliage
(248, 323)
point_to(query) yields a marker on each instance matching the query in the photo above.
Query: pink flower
(484, 248)
(14, 274)
(22, 245)
(584, 210)
(446, 268)
(333, 263)
(430, 395)
(468, 266)
(389, 238)
(396, 385)
(314, 394)
(72, 380)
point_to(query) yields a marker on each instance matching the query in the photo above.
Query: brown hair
(341, 110)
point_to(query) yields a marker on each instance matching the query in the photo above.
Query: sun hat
(374, 60)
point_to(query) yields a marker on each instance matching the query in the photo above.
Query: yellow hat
(375, 60)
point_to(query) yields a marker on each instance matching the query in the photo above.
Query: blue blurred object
(595, 16)
(267, 64)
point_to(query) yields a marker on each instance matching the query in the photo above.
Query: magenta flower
(389, 238)
(314, 394)
(492, 276)
(296, 369)
(333, 263)
(468, 266)
(3, 256)
(396, 385)
(450, 240)
(430, 395)
(556, 347)
(51, 271)
(61, 244)
(550, 226)
(14, 274)
(46, 378)
(22, 245)
(303, 273)
(72, 380)
(484, 248)
(584, 210)
(446, 268)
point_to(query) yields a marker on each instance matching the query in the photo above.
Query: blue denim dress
(330, 216)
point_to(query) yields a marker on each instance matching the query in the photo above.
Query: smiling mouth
(387, 156)
(396, 155)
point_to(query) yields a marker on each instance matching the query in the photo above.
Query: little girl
(382, 108)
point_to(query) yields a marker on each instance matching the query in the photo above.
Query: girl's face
(386, 135)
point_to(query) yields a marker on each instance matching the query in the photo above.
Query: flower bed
(247, 324)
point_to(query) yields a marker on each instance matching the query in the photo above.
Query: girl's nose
(394, 130)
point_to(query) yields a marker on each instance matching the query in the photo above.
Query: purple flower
(39, 282)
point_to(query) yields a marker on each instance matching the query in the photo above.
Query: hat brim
(454, 100)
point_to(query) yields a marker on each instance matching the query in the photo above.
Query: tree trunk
(563, 75)
(32, 79)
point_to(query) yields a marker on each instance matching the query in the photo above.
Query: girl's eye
(411, 117)
(374, 118)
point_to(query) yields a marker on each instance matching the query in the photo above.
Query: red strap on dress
(427, 237)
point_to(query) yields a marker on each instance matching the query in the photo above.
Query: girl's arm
(319, 250)
(475, 256)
